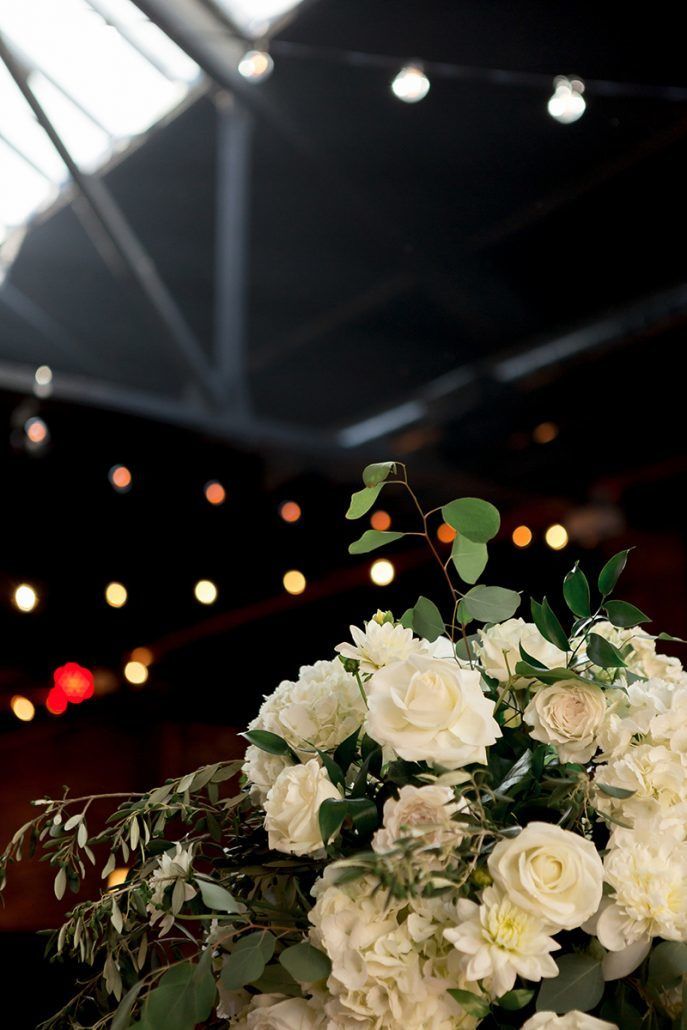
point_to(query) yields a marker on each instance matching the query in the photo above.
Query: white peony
(570, 1021)
(292, 806)
(421, 812)
(276, 1012)
(567, 714)
(500, 941)
(174, 869)
(656, 778)
(498, 648)
(431, 710)
(381, 644)
(552, 873)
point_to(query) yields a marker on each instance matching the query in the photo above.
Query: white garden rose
(498, 648)
(656, 782)
(421, 812)
(277, 1012)
(428, 709)
(567, 714)
(292, 807)
(500, 942)
(552, 873)
(570, 1021)
(380, 644)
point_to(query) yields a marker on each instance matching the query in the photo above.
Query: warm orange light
(522, 536)
(116, 595)
(545, 432)
(446, 533)
(120, 478)
(117, 876)
(36, 430)
(380, 520)
(215, 492)
(25, 598)
(290, 511)
(382, 572)
(294, 582)
(22, 708)
(136, 673)
(556, 537)
(143, 655)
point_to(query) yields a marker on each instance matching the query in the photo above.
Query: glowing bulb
(215, 492)
(567, 103)
(22, 708)
(556, 537)
(116, 595)
(522, 536)
(117, 876)
(545, 432)
(135, 673)
(380, 520)
(294, 582)
(205, 591)
(143, 655)
(382, 572)
(290, 511)
(37, 433)
(411, 84)
(25, 598)
(120, 478)
(256, 65)
(445, 533)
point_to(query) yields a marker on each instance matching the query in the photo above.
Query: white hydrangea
(380, 644)
(669, 726)
(643, 658)
(390, 964)
(261, 770)
(656, 778)
(631, 710)
(498, 648)
(174, 869)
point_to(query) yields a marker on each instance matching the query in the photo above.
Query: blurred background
(247, 246)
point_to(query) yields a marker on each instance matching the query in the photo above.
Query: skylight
(255, 18)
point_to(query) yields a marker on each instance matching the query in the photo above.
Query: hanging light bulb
(256, 65)
(411, 84)
(567, 103)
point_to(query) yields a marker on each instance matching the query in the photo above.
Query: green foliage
(611, 572)
(473, 1004)
(372, 539)
(579, 985)
(469, 557)
(217, 897)
(184, 997)
(667, 964)
(247, 961)
(272, 743)
(378, 472)
(625, 615)
(548, 625)
(491, 604)
(305, 963)
(478, 520)
(576, 593)
(362, 501)
(515, 1000)
(425, 619)
(603, 653)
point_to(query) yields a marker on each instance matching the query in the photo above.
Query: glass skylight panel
(255, 17)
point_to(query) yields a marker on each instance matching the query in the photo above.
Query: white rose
(552, 873)
(292, 807)
(499, 648)
(567, 714)
(424, 812)
(570, 1021)
(275, 1012)
(431, 710)
(380, 644)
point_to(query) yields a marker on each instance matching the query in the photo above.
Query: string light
(56, 702)
(256, 65)
(75, 682)
(382, 572)
(37, 432)
(294, 582)
(556, 537)
(445, 533)
(411, 84)
(143, 655)
(25, 598)
(522, 536)
(205, 591)
(567, 103)
(380, 520)
(215, 492)
(116, 595)
(22, 708)
(135, 673)
(290, 511)
(120, 478)
(117, 876)
(545, 432)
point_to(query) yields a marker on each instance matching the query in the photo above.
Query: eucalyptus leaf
(469, 557)
(378, 472)
(247, 961)
(362, 501)
(624, 614)
(667, 963)
(576, 593)
(491, 604)
(427, 620)
(372, 539)
(305, 963)
(218, 898)
(172, 1005)
(578, 986)
(478, 520)
(610, 573)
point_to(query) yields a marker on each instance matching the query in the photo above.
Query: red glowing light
(56, 702)
(75, 682)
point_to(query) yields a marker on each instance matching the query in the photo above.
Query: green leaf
(465, 649)
(218, 898)
(667, 963)
(576, 593)
(491, 604)
(578, 986)
(172, 1005)
(514, 1000)
(469, 557)
(331, 815)
(124, 1009)
(518, 771)
(615, 792)
(378, 472)
(364, 815)
(610, 573)
(362, 501)
(305, 963)
(205, 987)
(247, 961)
(530, 671)
(471, 1003)
(555, 633)
(625, 615)
(275, 980)
(334, 771)
(272, 743)
(667, 636)
(371, 540)
(343, 756)
(427, 620)
(603, 653)
(478, 520)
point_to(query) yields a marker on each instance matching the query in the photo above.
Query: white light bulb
(567, 103)
(256, 65)
(411, 84)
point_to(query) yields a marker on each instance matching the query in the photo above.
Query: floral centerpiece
(459, 818)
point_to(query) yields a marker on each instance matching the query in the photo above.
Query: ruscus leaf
(610, 573)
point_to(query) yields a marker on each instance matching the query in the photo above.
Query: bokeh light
(116, 595)
(522, 536)
(135, 673)
(445, 533)
(205, 591)
(256, 65)
(25, 598)
(23, 708)
(411, 84)
(380, 520)
(143, 655)
(294, 582)
(290, 511)
(37, 432)
(75, 682)
(56, 702)
(382, 572)
(43, 375)
(545, 432)
(120, 478)
(215, 492)
(556, 537)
